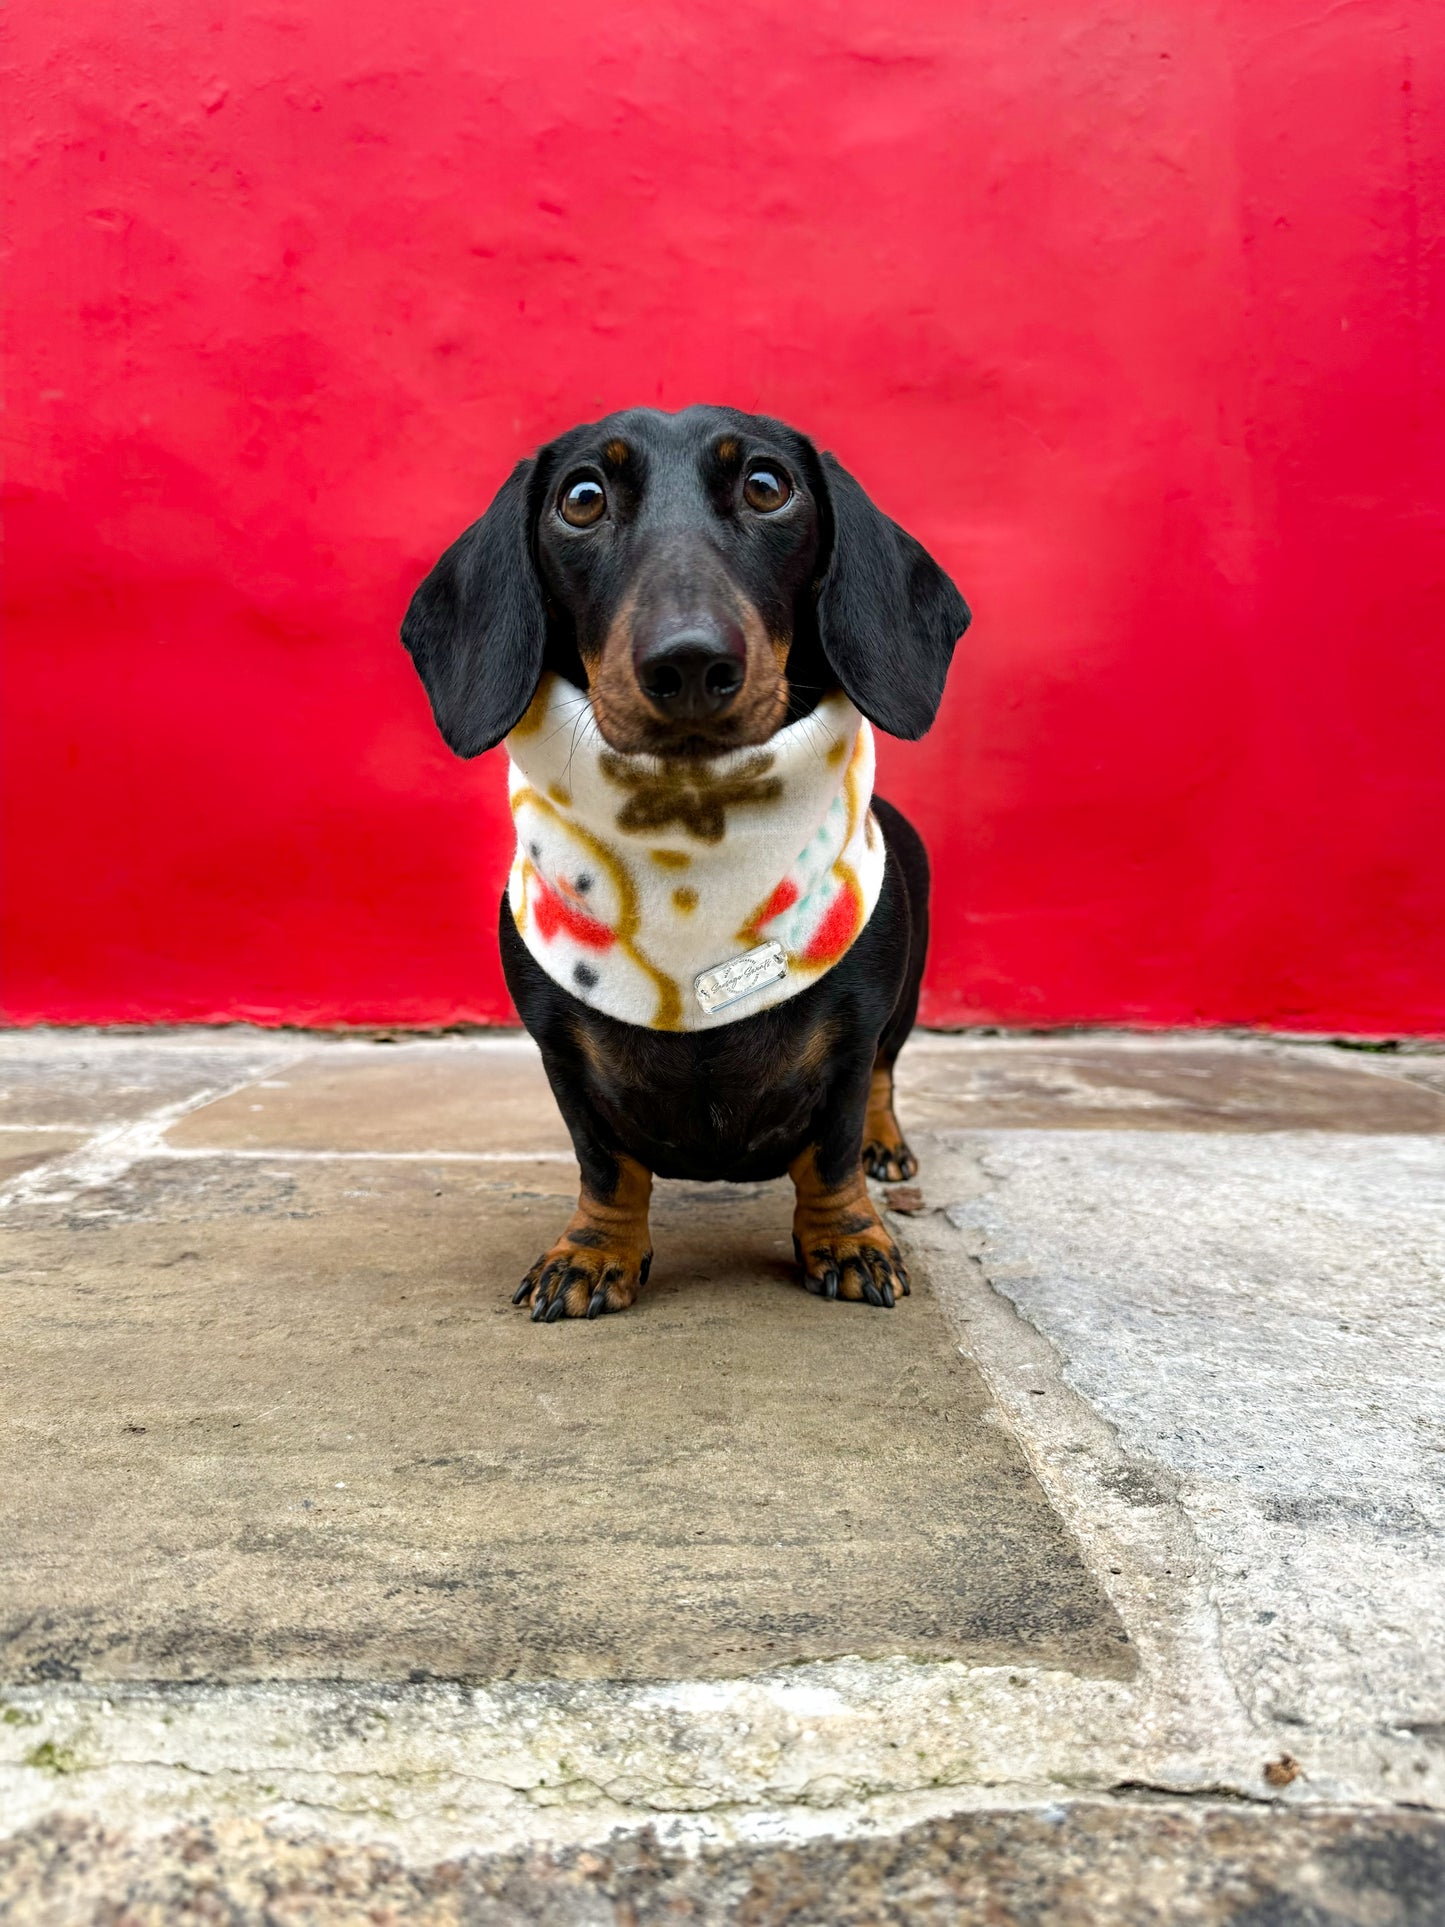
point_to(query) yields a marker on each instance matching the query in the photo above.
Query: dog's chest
(712, 1112)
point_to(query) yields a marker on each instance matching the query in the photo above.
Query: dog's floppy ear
(888, 616)
(477, 626)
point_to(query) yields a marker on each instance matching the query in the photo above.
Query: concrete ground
(1102, 1579)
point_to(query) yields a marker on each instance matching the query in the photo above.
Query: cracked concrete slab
(1196, 1284)
(1263, 1325)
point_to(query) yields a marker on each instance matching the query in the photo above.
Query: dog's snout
(692, 672)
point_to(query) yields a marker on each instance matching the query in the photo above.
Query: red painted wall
(1132, 312)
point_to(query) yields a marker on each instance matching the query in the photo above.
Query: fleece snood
(682, 894)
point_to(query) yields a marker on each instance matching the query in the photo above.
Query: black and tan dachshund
(708, 578)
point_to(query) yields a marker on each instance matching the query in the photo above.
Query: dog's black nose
(693, 673)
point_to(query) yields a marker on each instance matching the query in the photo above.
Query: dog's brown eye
(583, 502)
(766, 489)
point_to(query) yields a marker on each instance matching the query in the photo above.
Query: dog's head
(706, 576)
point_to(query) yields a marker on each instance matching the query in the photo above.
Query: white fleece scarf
(686, 894)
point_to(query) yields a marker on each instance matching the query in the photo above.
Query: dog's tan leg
(885, 1150)
(600, 1262)
(841, 1243)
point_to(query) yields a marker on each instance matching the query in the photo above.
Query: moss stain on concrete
(48, 1757)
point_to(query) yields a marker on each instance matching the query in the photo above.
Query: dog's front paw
(889, 1158)
(575, 1280)
(853, 1257)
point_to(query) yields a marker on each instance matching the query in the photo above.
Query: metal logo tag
(739, 977)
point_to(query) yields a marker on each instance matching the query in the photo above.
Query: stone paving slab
(1161, 1084)
(455, 1096)
(271, 1421)
(1426, 1070)
(91, 1079)
(21, 1149)
(1065, 1865)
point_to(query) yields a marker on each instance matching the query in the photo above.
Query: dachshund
(682, 610)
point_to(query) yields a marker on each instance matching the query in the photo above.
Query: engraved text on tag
(726, 982)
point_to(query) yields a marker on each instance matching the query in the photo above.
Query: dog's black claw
(884, 1276)
(812, 1284)
(872, 1293)
(539, 1309)
(597, 1303)
(521, 1292)
(557, 1307)
(644, 1268)
(830, 1283)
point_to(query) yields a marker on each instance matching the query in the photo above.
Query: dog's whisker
(585, 721)
(568, 724)
(811, 736)
(570, 704)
